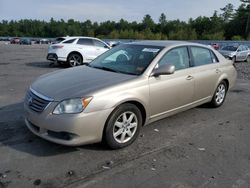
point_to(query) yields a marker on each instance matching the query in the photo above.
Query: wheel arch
(227, 82)
(139, 105)
(75, 52)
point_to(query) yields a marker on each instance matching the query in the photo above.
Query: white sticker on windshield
(154, 50)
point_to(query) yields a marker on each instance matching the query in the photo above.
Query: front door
(172, 92)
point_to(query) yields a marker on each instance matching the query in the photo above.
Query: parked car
(44, 41)
(236, 53)
(15, 40)
(25, 41)
(77, 50)
(125, 88)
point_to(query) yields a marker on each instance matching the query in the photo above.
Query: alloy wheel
(125, 127)
(220, 94)
(75, 60)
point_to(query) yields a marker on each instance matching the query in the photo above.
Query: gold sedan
(125, 88)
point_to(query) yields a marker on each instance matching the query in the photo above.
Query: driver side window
(178, 57)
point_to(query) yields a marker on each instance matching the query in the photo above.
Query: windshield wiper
(106, 69)
(112, 70)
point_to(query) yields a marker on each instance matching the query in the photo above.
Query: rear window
(69, 41)
(87, 42)
(59, 39)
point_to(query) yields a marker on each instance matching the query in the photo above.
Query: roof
(164, 43)
(73, 37)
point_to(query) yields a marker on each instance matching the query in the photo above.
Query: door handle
(218, 71)
(189, 77)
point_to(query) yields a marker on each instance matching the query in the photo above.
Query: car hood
(77, 82)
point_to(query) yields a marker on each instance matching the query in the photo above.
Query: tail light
(57, 46)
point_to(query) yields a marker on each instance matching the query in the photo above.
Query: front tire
(219, 95)
(75, 59)
(123, 126)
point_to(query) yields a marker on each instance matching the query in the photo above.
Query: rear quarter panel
(228, 70)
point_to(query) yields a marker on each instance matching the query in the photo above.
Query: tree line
(227, 24)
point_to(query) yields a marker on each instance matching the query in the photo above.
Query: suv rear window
(88, 42)
(69, 41)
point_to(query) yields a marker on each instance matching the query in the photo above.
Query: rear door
(87, 49)
(171, 92)
(206, 72)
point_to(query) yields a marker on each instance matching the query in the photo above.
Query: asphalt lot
(201, 147)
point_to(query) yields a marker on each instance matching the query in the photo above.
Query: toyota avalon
(125, 88)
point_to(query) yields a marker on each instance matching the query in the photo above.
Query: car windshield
(230, 48)
(127, 58)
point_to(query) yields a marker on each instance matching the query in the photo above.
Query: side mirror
(165, 69)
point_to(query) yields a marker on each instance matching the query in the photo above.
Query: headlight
(72, 106)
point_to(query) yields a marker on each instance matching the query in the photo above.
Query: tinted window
(87, 42)
(60, 39)
(229, 48)
(69, 41)
(202, 56)
(99, 43)
(178, 57)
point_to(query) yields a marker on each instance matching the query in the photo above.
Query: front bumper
(67, 129)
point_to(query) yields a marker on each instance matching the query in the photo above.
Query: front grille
(35, 102)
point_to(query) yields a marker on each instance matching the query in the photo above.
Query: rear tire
(219, 95)
(123, 126)
(74, 59)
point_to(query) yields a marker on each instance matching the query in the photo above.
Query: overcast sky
(102, 10)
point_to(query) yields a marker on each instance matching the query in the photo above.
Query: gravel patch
(243, 69)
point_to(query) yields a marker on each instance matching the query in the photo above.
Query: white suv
(76, 50)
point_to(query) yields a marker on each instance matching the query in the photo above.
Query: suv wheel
(123, 126)
(74, 59)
